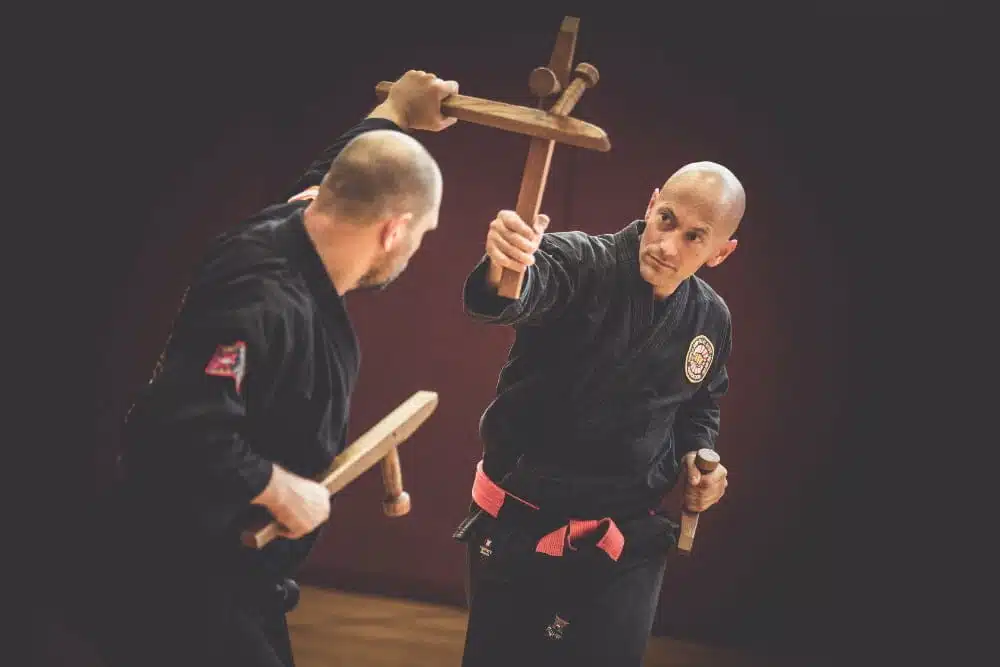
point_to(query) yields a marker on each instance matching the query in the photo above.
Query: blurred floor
(334, 629)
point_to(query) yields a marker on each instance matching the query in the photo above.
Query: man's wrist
(269, 496)
(388, 111)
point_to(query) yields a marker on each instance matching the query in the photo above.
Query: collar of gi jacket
(627, 239)
(295, 242)
(627, 246)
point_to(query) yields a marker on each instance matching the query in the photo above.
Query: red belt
(491, 497)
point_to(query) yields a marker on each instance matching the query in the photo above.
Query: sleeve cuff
(378, 123)
(482, 301)
(692, 446)
(253, 476)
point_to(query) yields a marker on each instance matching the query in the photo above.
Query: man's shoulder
(708, 297)
(252, 245)
(246, 261)
(582, 245)
(567, 237)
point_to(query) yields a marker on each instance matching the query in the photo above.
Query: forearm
(548, 286)
(213, 464)
(274, 492)
(698, 430)
(188, 436)
(698, 420)
(482, 302)
(382, 117)
(698, 424)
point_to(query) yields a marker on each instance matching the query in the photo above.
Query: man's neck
(340, 248)
(661, 293)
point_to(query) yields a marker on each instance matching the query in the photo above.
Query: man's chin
(656, 279)
(372, 284)
(648, 273)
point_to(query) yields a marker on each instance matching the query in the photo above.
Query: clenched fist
(511, 243)
(414, 102)
(702, 490)
(298, 504)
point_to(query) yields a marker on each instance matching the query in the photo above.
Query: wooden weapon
(544, 127)
(707, 460)
(378, 443)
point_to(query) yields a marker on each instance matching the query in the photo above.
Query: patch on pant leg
(555, 629)
(485, 549)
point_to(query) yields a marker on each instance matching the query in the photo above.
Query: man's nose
(668, 244)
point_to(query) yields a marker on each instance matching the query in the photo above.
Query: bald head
(711, 189)
(380, 174)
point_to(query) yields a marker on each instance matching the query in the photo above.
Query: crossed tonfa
(545, 127)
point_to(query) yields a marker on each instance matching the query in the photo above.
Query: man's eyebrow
(665, 208)
(703, 228)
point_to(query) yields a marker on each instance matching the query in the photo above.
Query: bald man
(612, 384)
(248, 403)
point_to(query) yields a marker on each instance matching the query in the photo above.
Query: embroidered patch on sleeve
(699, 358)
(229, 361)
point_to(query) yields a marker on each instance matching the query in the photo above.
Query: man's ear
(393, 231)
(727, 249)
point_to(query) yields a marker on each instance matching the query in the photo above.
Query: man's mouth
(658, 263)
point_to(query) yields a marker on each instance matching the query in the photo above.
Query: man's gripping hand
(511, 243)
(702, 490)
(414, 102)
(298, 504)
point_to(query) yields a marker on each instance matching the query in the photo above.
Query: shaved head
(381, 174)
(689, 224)
(712, 190)
(380, 196)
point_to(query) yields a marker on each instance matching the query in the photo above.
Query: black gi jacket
(604, 388)
(260, 367)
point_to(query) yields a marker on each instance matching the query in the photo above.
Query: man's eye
(693, 236)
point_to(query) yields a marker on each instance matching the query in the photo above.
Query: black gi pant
(152, 599)
(192, 623)
(581, 608)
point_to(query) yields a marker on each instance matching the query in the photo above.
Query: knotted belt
(488, 495)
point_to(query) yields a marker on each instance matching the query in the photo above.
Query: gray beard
(368, 283)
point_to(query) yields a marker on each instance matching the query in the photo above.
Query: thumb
(447, 122)
(694, 475)
(541, 223)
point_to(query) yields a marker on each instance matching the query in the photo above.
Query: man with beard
(248, 403)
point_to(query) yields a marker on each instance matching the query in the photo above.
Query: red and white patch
(229, 361)
(699, 358)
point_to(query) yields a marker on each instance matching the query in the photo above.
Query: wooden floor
(331, 628)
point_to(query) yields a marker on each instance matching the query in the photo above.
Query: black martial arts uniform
(605, 389)
(259, 368)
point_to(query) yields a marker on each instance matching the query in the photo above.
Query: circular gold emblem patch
(699, 358)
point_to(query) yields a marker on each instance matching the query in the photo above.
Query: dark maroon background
(197, 128)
